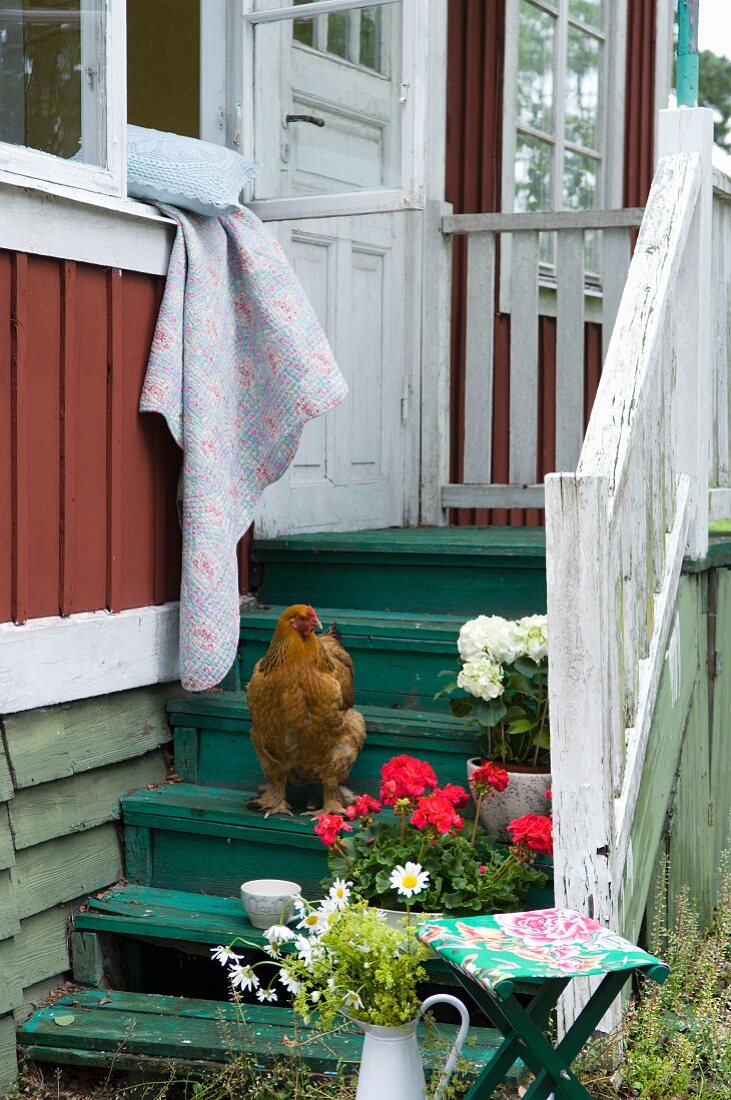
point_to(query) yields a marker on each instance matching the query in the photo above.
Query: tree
(715, 92)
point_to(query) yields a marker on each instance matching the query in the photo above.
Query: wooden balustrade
(507, 246)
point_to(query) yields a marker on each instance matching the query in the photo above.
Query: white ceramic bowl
(269, 901)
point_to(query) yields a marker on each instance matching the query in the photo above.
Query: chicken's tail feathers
(333, 631)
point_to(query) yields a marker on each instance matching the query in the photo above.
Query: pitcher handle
(447, 998)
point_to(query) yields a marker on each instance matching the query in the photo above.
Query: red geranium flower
(458, 796)
(363, 804)
(533, 831)
(437, 811)
(405, 777)
(488, 778)
(330, 826)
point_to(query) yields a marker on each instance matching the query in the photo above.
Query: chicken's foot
(272, 800)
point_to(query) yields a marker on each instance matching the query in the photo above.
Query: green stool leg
(512, 1047)
(582, 1027)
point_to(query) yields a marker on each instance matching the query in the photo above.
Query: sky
(714, 26)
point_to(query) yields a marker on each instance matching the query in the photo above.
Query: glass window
(559, 111)
(52, 78)
(328, 114)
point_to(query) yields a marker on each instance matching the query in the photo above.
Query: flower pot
(524, 794)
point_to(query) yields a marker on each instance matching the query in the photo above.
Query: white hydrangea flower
(533, 634)
(481, 677)
(490, 634)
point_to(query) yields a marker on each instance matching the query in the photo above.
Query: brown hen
(304, 727)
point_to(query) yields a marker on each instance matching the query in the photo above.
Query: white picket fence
(618, 527)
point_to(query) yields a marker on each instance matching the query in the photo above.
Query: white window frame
(611, 116)
(410, 195)
(32, 164)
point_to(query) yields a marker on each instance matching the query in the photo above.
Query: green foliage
(464, 877)
(676, 1038)
(714, 91)
(363, 963)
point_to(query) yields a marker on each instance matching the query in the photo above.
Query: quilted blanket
(239, 363)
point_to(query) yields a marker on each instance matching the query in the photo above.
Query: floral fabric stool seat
(542, 950)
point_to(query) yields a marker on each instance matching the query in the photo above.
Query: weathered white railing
(568, 289)
(720, 500)
(617, 529)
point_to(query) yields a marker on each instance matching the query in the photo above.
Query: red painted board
(139, 482)
(84, 440)
(39, 435)
(6, 507)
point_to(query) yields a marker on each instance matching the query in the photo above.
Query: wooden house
(459, 185)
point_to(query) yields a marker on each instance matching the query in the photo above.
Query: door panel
(349, 471)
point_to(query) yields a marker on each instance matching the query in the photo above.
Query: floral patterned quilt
(239, 364)
(542, 943)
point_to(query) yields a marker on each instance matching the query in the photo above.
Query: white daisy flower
(290, 984)
(304, 950)
(410, 879)
(225, 955)
(300, 906)
(340, 892)
(243, 977)
(314, 921)
(352, 1000)
(266, 995)
(272, 950)
(279, 933)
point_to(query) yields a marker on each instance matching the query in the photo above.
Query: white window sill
(50, 219)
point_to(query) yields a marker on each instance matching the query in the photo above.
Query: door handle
(312, 119)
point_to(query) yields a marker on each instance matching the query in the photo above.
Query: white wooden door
(329, 100)
(354, 469)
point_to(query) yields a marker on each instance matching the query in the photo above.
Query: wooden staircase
(399, 597)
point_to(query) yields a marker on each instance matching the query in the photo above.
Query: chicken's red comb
(311, 612)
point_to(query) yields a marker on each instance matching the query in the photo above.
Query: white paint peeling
(672, 658)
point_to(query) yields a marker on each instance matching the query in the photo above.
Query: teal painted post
(688, 53)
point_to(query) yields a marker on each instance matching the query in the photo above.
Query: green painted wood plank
(6, 782)
(7, 847)
(721, 732)
(87, 957)
(59, 870)
(154, 1026)
(11, 988)
(370, 626)
(53, 742)
(9, 923)
(719, 554)
(37, 995)
(80, 802)
(518, 541)
(168, 914)
(8, 1058)
(138, 843)
(41, 947)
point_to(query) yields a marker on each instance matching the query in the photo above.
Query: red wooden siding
(87, 484)
(473, 176)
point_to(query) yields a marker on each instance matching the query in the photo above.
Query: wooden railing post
(436, 335)
(691, 131)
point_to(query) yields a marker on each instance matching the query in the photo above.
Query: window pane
(163, 65)
(580, 177)
(588, 11)
(582, 89)
(52, 77)
(535, 67)
(533, 175)
(370, 38)
(357, 145)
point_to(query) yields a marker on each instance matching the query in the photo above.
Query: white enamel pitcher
(390, 1066)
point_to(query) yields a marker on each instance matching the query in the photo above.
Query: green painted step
(397, 657)
(452, 570)
(138, 1031)
(212, 746)
(203, 839)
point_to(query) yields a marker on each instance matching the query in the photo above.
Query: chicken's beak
(316, 624)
